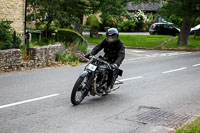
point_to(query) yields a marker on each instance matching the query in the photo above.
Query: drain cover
(161, 118)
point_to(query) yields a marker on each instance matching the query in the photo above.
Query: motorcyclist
(114, 53)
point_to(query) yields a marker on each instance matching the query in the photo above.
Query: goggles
(111, 38)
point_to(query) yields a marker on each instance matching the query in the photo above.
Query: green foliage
(139, 18)
(44, 11)
(195, 23)
(63, 12)
(135, 21)
(6, 36)
(23, 49)
(69, 58)
(72, 54)
(43, 42)
(185, 12)
(193, 44)
(148, 41)
(128, 26)
(137, 41)
(93, 22)
(193, 127)
(106, 21)
(150, 18)
(111, 21)
(82, 47)
(113, 8)
(176, 11)
(67, 35)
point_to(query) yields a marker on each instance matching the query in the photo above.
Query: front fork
(91, 81)
(90, 75)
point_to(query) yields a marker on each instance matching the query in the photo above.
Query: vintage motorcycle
(93, 80)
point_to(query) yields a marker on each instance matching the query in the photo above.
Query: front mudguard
(83, 74)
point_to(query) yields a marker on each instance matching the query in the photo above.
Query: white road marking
(145, 56)
(28, 101)
(139, 77)
(136, 51)
(174, 70)
(196, 65)
(136, 58)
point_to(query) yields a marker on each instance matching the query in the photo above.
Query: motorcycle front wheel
(78, 91)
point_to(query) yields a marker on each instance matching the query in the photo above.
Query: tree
(44, 11)
(186, 10)
(67, 12)
(74, 11)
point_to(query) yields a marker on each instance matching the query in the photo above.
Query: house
(13, 10)
(148, 7)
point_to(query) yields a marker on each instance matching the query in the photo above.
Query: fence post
(14, 39)
(27, 43)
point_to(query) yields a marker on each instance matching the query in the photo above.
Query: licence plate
(91, 67)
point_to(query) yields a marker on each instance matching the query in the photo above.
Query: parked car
(163, 29)
(194, 29)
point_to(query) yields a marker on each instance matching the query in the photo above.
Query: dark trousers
(112, 76)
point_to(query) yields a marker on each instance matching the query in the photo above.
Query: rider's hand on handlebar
(114, 66)
(87, 56)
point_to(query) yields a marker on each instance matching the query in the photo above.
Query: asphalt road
(38, 101)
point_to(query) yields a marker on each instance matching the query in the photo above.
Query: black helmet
(112, 35)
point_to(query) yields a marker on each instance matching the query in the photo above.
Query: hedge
(67, 35)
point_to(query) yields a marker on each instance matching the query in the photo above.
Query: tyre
(78, 93)
(176, 34)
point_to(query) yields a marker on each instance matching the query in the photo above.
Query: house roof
(149, 6)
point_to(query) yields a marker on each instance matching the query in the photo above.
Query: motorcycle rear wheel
(78, 93)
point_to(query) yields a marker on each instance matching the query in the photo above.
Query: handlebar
(103, 61)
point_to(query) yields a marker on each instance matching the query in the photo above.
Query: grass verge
(137, 41)
(194, 44)
(151, 42)
(193, 127)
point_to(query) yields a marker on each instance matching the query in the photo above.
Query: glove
(87, 56)
(114, 66)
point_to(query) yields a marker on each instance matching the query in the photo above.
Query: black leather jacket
(114, 52)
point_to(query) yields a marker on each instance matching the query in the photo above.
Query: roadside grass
(194, 44)
(193, 127)
(137, 41)
(151, 42)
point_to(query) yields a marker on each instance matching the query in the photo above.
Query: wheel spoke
(79, 94)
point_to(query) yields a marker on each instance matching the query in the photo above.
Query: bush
(6, 36)
(67, 35)
(93, 23)
(106, 21)
(73, 54)
(138, 18)
(128, 26)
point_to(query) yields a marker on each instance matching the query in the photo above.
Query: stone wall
(46, 55)
(13, 10)
(11, 60)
